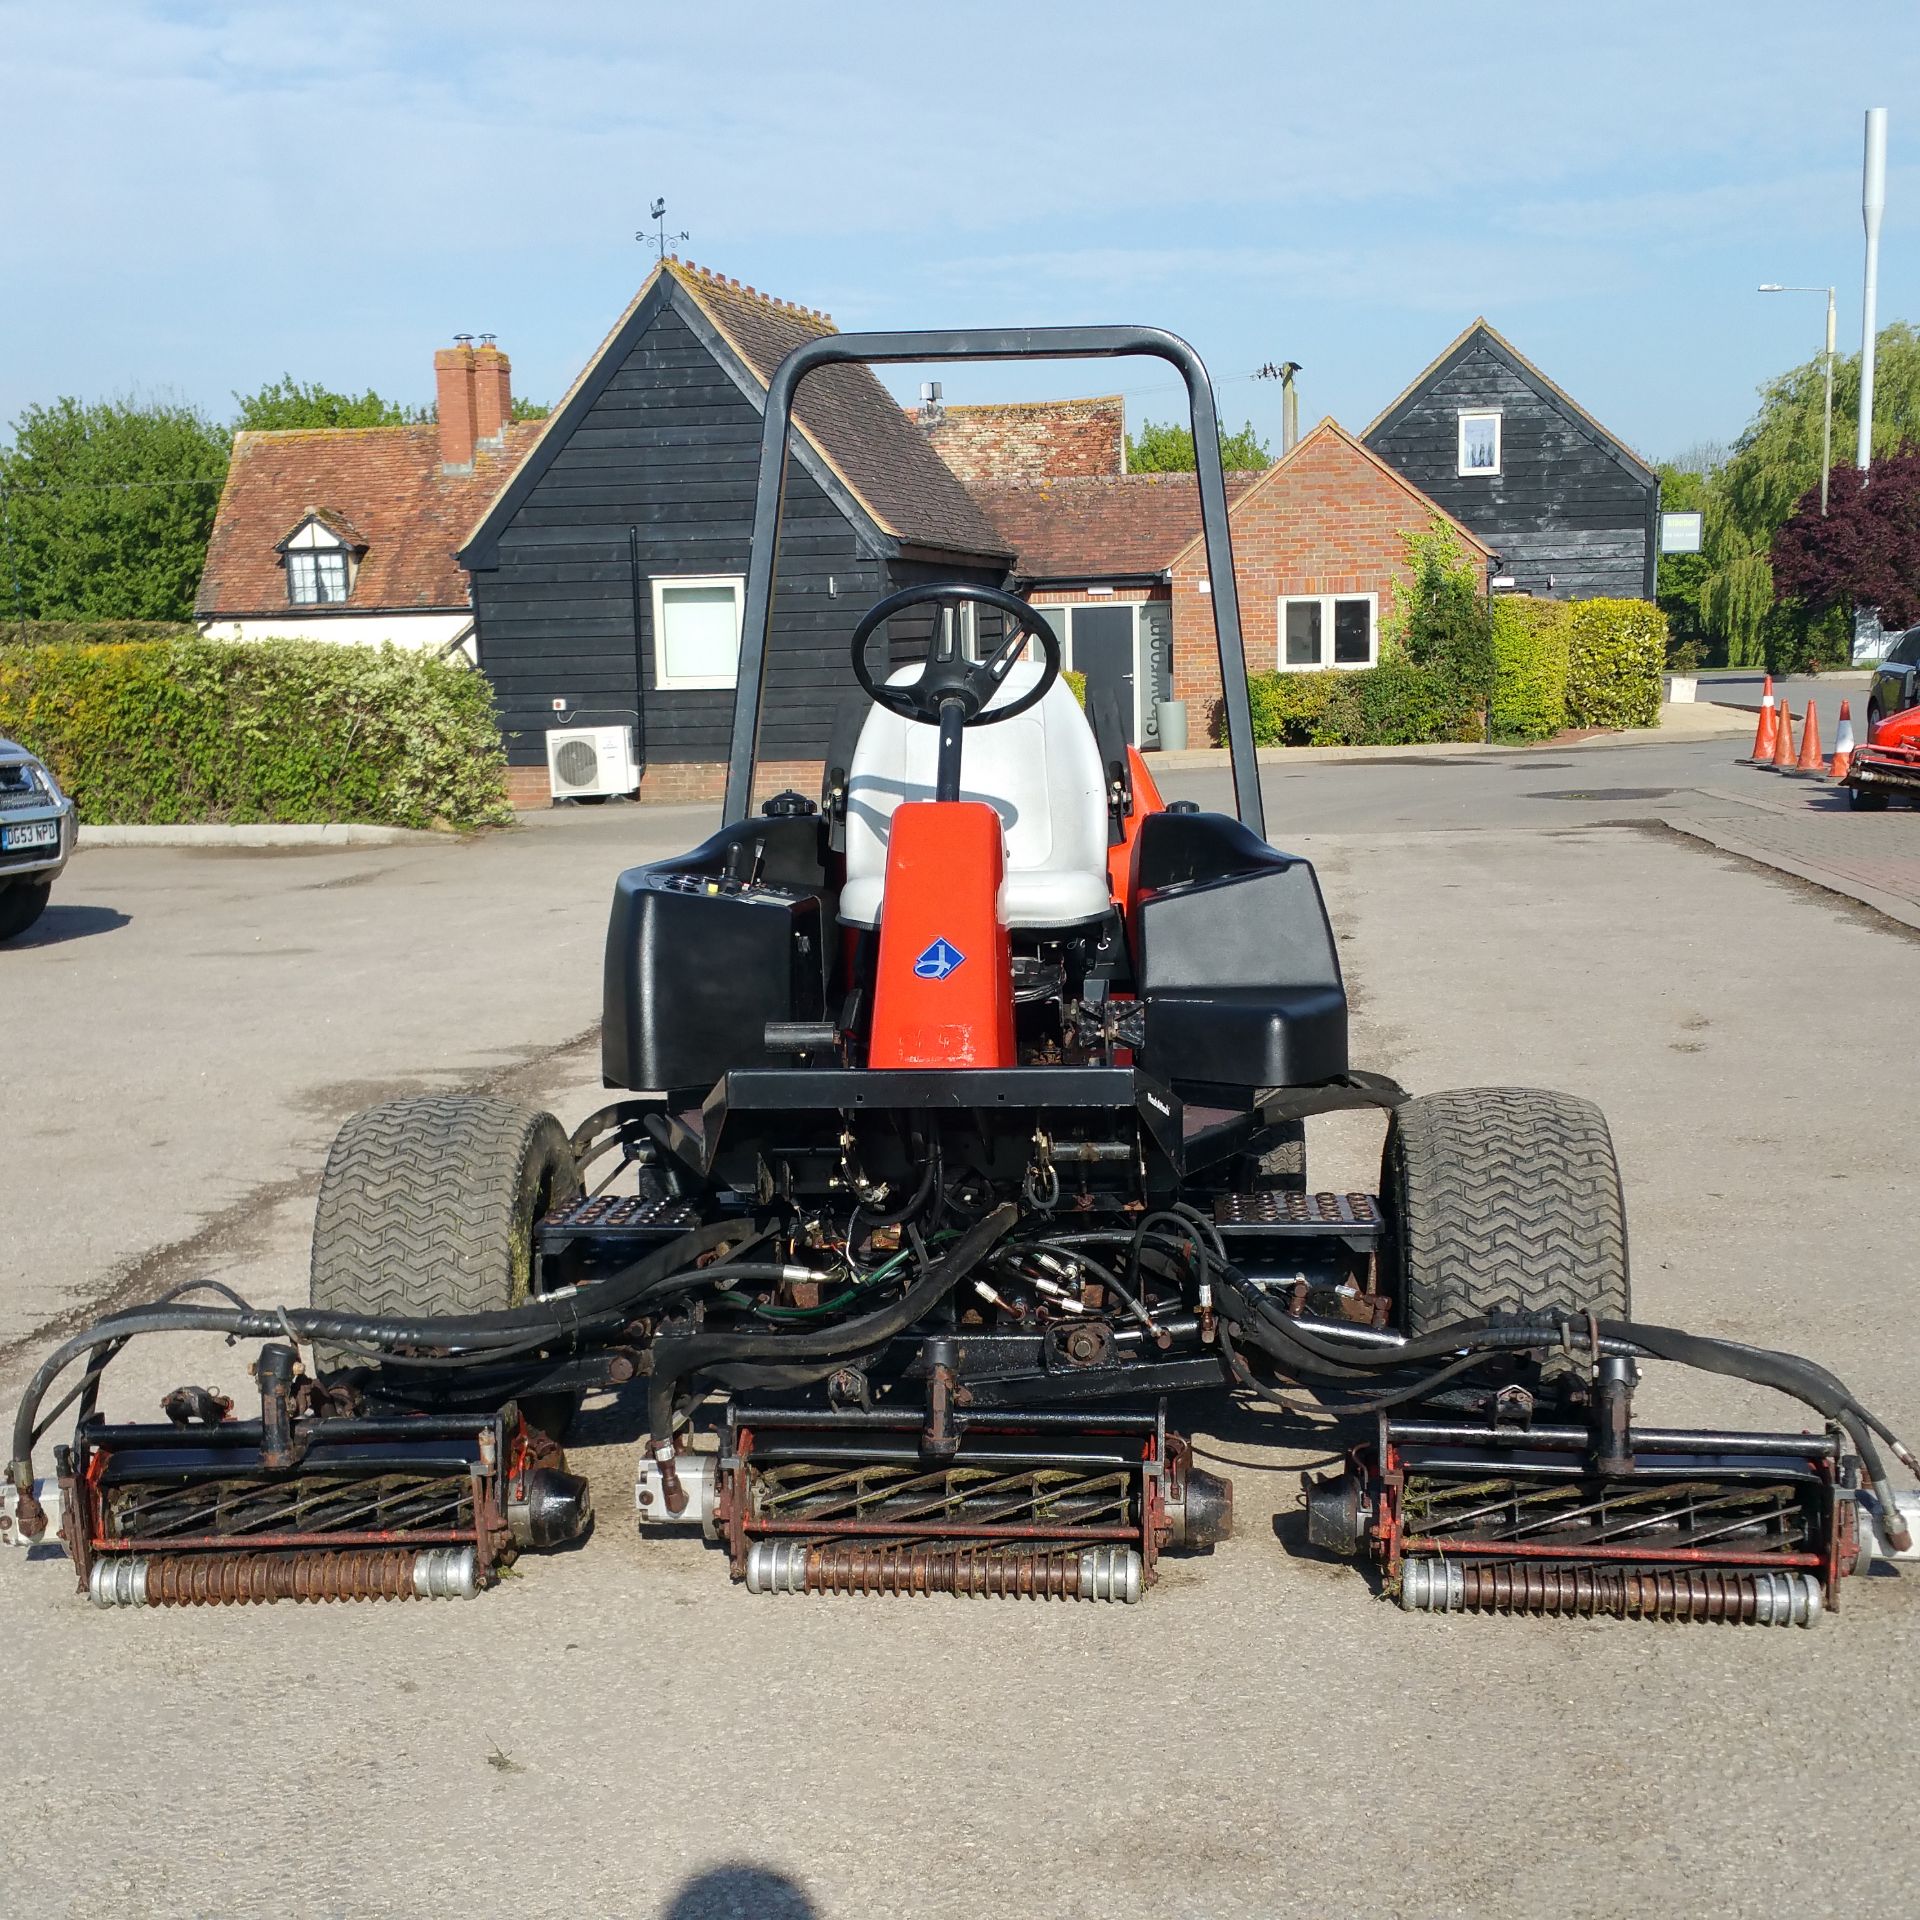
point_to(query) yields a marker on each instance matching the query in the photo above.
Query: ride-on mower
(959, 1127)
(1887, 764)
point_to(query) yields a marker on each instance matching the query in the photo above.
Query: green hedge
(1529, 668)
(295, 731)
(1395, 704)
(46, 633)
(1556, 664)
(1616, 650)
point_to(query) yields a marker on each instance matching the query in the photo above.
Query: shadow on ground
(739, 1893)
(61, 922)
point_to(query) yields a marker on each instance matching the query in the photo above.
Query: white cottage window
(319, 566)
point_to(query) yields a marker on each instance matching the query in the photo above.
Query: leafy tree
(287, 402)
(1683, 489)
(1864, 552)
(1166, 447)
(1772, 466)
(105, 510)
(1440, 616)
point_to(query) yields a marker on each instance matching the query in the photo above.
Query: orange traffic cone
(1783, 739)
(1811, 759)
(1762, 753)
(1843, 744)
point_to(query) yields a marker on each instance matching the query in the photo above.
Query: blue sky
(201, 196)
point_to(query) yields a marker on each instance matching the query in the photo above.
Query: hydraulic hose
(599, 1308)
(792, 1359)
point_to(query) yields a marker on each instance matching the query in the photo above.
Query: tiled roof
(1329, 434)
(1113, 524)
(853, 422)
(383, 483)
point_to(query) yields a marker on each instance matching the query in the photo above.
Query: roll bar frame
(998, 343)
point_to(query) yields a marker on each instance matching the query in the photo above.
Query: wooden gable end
(649, 473)
(1570, 512)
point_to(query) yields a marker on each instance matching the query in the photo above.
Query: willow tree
(1777, 461)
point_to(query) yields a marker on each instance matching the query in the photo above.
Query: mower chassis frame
(991, 343)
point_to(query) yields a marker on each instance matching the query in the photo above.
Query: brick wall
(1037, 440)
(679, 782)
(1327, 521)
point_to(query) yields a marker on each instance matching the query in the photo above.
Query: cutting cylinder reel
(1034, 1507)
(314, 1505)
(1471, 1516)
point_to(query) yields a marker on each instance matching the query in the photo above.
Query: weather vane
(661, 239)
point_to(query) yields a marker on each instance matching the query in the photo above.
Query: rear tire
(21, 904)
(1865, 800)
(427, 1206)
(1282, 1168)
(1503, 1198)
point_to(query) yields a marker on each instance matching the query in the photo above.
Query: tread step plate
(1355, 1215)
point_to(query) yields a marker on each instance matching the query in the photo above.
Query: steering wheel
(953, 690)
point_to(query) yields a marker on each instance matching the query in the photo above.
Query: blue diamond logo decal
(938, 961)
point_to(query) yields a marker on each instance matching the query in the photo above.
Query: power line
(107, 486)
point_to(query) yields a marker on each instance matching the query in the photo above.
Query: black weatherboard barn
(610, 569)
(1571, 511)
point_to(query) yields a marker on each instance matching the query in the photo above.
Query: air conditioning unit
(588, 763)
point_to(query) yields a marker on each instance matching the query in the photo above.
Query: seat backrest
(1039, 771)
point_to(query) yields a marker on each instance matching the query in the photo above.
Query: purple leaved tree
(1865, 552)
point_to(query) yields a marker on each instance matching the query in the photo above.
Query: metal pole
(1010, 343)
(1826, 436)
(1873, 203)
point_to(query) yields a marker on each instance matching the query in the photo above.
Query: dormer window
(320, 556)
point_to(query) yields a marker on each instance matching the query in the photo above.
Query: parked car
(37, 828)
(1896, 681)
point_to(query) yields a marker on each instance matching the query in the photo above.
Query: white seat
(1040, 772)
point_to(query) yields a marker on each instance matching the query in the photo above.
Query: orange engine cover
(943, 987)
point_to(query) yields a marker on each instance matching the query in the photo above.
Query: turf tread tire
(427, 1205)
(1503, 1198)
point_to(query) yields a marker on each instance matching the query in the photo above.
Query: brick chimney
(454, 386)
(493, 392)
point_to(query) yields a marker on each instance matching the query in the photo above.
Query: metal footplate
(807, 1500)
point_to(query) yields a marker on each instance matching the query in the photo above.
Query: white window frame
(1466, 415)
(1326, 602)
(310, 542)
(666, 682)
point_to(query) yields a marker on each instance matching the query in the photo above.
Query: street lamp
(1826, 443)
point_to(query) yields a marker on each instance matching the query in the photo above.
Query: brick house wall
(1330, 518)
(1033, 440)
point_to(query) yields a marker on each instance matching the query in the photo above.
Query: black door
(1103, 651)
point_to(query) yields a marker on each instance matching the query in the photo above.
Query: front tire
(427, 1206)
(1502, 1199)
(21, 904)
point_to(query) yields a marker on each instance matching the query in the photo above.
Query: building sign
(1680, 532)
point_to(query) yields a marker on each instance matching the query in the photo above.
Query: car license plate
(35, 833)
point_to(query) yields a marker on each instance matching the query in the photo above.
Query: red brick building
(1319, 550)
(1029, 440)
(1319, 543)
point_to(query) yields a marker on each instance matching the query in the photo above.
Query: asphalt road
(1826, 689)
(619, 1731)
